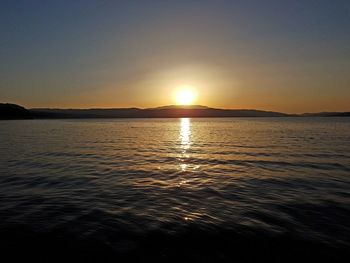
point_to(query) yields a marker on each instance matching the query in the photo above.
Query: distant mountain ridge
(171, 111)
(168, 107)
(327, 114)
(13, 111)
(10, 111)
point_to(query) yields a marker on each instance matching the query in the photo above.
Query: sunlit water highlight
(115, 181)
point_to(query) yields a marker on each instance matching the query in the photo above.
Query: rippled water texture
(194, 189)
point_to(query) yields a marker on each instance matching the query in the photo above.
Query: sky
(281, 55)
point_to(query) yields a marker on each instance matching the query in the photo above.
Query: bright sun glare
(185, 95)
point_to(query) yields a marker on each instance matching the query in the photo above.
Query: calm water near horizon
(169, 188)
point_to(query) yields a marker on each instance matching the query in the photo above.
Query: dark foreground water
(181, 190)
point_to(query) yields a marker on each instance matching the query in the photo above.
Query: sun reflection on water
(185, 142)
(185, 133)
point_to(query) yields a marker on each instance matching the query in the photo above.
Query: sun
(185, 95)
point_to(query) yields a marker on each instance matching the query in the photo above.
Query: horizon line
(164, 107)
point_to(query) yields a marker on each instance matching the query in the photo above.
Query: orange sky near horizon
(214, 87)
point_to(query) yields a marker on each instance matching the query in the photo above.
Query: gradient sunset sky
(290, 56)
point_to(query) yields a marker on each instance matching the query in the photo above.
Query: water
(229, 190)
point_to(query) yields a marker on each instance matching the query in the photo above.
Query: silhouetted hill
(161, 112)
(86, 113)
(327, 114)
(188, 107)
(208, 112)
(12, 111)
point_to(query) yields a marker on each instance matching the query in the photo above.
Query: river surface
(199, 190)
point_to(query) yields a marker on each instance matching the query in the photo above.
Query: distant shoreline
(12, 111)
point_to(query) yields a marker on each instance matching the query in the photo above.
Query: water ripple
(126, 184)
